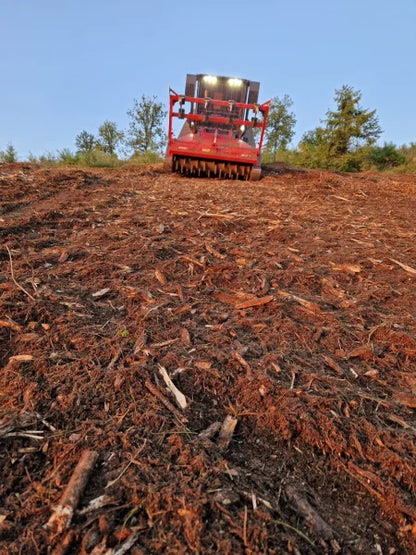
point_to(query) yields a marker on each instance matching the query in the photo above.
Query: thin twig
(245, 526)
(13, 278)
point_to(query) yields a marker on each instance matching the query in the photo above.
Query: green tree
(109, 137)
(314, 148)
(146, 130)
(342, 142)
(9, 155)
(280, 124)
(85, 142)
(350, 126)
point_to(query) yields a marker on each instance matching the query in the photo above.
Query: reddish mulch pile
(283, 311)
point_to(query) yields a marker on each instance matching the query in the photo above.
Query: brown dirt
(288, 304)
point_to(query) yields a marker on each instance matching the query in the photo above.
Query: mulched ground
(285, 307)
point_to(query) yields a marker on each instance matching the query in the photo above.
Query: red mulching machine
(223, 130)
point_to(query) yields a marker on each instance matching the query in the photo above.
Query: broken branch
(63, 512)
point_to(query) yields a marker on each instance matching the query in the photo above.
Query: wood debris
(63, 512)
(405, 267)
(15, 359)
(255, 302)
(179, 396)
(101, 293)
(351, 269)
(227, 431)
(273, 302)
(311, 515)
(8, 324)
(210, 432)
(165, 401)
(160, 277)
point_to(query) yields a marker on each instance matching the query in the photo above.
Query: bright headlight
(234, 82)
(210, 79)
(242, 128)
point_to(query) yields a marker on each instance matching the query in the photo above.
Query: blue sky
(69, 65)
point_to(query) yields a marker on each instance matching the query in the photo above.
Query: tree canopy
(280, 124)
(109, 137)
(146, 128)
(85, 142)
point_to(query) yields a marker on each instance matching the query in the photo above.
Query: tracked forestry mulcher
(223, 129)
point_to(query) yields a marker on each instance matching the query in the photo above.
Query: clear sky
(68, 65)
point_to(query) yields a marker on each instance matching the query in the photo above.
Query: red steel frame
(219, 148)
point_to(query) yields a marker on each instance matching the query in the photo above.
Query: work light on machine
(234, 82)
(210, 79)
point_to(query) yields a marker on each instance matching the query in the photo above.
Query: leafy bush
(387, 156)
(67, 158)
(148, 157)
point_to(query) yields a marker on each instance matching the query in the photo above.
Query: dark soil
(287, 304)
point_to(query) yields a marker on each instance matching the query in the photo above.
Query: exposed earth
(284, 313)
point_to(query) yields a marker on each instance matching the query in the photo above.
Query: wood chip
(11, 325)
(407, 400)
(233, 299)
(160, 277)
(236, 356)
(179, 396)
(20, 358)
(101, 293)
(214, 252)
(219, 216)
(405, 267)
(332, 364)
(351, 269)
(400, 421)
(227, 431)
(210, 432)
(185, 337)
(363, 351)
(255, 302)
(202, 364)
(303, 302)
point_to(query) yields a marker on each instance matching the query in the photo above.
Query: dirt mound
(194, 365)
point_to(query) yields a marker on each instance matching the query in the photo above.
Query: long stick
(13, 278)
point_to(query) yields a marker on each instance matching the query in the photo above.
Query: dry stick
(255, 302)
(63, 512)
(165, 401)
(115, 359)
(13, 278)
(320, 527)
(179, 396)
(245, 526)
(405, 267)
